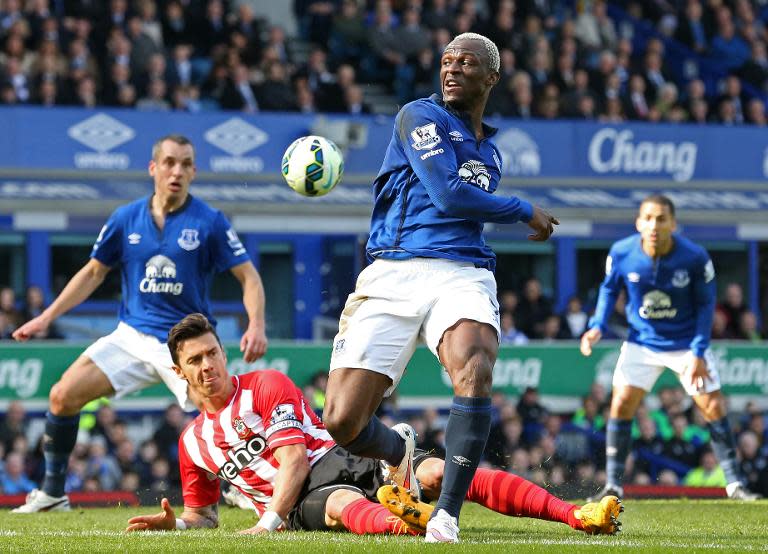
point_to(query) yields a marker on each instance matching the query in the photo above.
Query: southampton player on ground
(168, 247)
(431, 278)
(670, 286)
(257, 432)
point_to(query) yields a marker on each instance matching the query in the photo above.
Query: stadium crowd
(662, 60)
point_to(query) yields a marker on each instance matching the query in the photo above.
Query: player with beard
(431, 279)
(257, 432)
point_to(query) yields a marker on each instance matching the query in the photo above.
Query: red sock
(511, 495)
(363, 516)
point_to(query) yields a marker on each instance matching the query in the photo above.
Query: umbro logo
(462, 461)
(456, 136)
(134, 238)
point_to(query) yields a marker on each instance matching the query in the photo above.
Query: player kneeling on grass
(257, 432)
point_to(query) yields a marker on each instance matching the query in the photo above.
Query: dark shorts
(338, 470)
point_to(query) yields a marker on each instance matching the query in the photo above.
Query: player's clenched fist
(542, 223)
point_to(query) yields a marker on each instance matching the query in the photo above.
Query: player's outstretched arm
(80, 287)
(590, 338)
(293, 471)
(542, 223)
(253, 344)
(206, 516)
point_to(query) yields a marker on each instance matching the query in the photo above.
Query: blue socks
(723, 444)
(376, 440)
(618, 440)
(467, 431)
(58, 442)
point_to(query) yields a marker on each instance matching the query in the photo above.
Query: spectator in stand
(754, 467)
(13, 480)
(574, 319)
(176, 26)
(13, 425)
(756, 113)
(732, 92)
(239, 94)
(732, 305)
(533, 415)
(707, 474)
(275, 93)
(720, 325)
(533, 310)
(354, 101)
(748, 329)
(349, 37)
(594, 29)
(647, 443)
(13, 315)
(509, 333)
(101, 466)
(166, 436)
(636, 101)
(727, 48)
(690, 28)
(155, 98)
(677, 447)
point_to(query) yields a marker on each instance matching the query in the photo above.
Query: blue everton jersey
(670, 300)
(435, 189)
(166, 274)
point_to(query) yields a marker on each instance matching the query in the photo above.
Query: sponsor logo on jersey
(242, 457)
(134, 238)
(432, 153)
(633, 277)
(657, 305)
(462, 461)
(236, 137)
(456, 136)
(709, 271)
(189, 239)
(101, 133)
(242, 430)
(158, 272)
(475, 172)
(425, 137)
(680, 278)
(520, 153)
(613, 151)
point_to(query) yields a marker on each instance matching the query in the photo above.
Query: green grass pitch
(649, 526)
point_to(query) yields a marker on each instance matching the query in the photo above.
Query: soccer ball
(312, 165)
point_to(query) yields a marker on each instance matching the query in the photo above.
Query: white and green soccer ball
(312, 165)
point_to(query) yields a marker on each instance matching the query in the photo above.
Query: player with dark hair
(258, 432)
(168, 247)
(431, 278)
(670, 287)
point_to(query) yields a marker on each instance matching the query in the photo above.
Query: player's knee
(62, 401)
(475, 376)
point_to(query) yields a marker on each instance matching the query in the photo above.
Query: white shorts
(641, 367)
(399, 303)
(133, 360)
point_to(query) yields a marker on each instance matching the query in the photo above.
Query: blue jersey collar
(183, 207)
(488, 131)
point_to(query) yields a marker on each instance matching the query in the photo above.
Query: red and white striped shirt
(237, 443)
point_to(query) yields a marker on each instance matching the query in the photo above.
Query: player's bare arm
(253, 344)
(293, 471)
(203, 517)
(590, 338)
(77, 290)
(542, 223)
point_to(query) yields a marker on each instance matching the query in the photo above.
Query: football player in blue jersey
(431, 279)
(670, 287)
(168, 247)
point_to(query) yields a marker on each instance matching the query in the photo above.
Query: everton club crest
(189, 239)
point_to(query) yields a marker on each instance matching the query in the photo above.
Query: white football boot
(39, 501)
(443, 527)
(403, 474)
